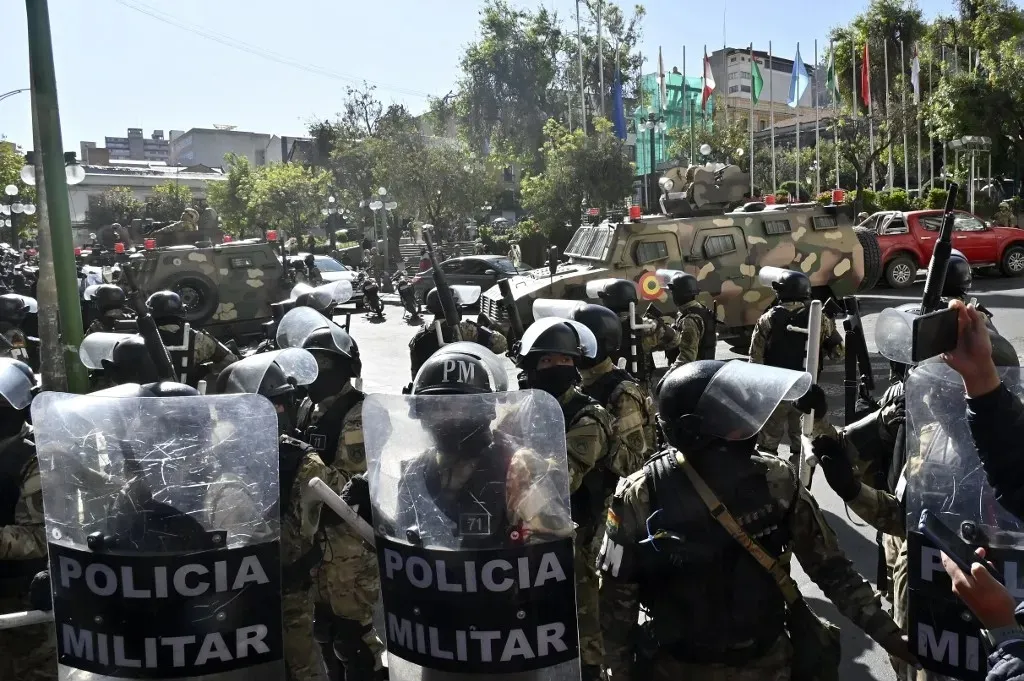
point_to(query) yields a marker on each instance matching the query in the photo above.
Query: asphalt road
(383, 345)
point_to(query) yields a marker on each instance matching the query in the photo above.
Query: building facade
(136, 146)
(209, 146)
(732, 70)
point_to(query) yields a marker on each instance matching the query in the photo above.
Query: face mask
(554, 380)
(11, 422)
(461, 436)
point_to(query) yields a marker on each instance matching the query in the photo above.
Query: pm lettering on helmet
(457, 370)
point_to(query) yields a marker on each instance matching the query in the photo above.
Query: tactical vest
(708, 344)
(709, 600)
(291, 453)
(424, 343)
(181, 346)
(587, 502)
(324, 431)
(608, 388)
(786, 349)
(16, 453)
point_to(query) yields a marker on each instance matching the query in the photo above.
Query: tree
(11, 162)
(729, 144)
(117, 204)
(168, 201)
(856, 148)
(231, 197)
(288, 196)
(577, 168)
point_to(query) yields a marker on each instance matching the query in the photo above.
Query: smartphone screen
(934, 334)
(951, 544)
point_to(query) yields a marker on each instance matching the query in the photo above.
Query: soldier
(276, 375)
(694, 323)
(774, 344)
(424, 343)
(25, 652)
(189, 348)
(312, 271)
(548, 355)
(109, 303)
(116, 359)
(616, 295)
(688, 551)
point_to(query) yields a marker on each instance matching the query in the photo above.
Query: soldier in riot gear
(191, 350)
(774, 344)
(425, 342)
(549, 354)
(694, 323)
(109, 305)
(276, 376)
(25, 652)
(681, 538)
(117, 358)
(13, 310)
(616, 296)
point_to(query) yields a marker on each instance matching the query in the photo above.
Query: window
(967, 223)
(241, 263)
(892, 224)
(649, 251)
(930, 223)
(474, 267)
(591, 242)
(509, 174)
(777, 227)
(327, 264)
(452, 266)
(763, 124)
(503, 265)
(823, 222)
(261, 157)
(715, 246)
(734, 88)
(744, 88)
(732, 60)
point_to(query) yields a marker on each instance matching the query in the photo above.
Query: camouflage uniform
(207, 348)
(107, 322)
(663, 337)
(690, 328)
(27, 653)
(424, 343)
(810, 539)
(786, 418)
(632, 412)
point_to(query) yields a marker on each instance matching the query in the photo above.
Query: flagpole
(871, 116)
(753, 65)
(835, 105)
(903, 113)
(853, 105)
(917, 114)
(687, 103)
(796, 108)
(931, 130)
(771, 113)
(817, 126)
(890, 179)
(704, 81)
(945, 169)
(579, 48)
(600, 56)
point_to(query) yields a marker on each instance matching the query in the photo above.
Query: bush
(825, 198)
(867, 200)
(782, 196)
(897, 199)
(936, 198)
(800, 193)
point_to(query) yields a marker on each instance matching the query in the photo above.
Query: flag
(915, 76)
(798, 83)
(662, 89)
(831, 81)
(709, 82)
(865, 78)
(756, 82)
(619, 114)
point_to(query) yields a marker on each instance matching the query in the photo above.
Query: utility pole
(47, 115)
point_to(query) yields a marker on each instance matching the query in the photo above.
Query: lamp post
(384, 206)
(335, 215)
(654, 123)
(11, 208)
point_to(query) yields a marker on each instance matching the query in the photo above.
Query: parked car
(876, 219)
(332, 270)
(472, 270)
(908, 239)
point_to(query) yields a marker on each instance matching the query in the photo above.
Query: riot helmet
(605, 326)
(549, 351)
(615, 294)
(130, 362)
(107, 297)
(337, 362)
(684, 288)
(13, 308)
(958, 276)
(275, 375)
(463, 296)
(17, 384)
(433, 302)
(155, 389)
(792, 286)
(310, 261)
(166, 307)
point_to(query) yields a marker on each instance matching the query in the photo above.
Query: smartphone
(934, 334)
(951, 544)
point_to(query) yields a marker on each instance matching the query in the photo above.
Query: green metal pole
(44, 86)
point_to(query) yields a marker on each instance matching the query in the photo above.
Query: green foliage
(824, 198)
(117, 204)
(799, 194)
(11, 162)
(230, 197)
(729, 144)
(168, 202)
(897, 199)
(782, 196)
(863, 200)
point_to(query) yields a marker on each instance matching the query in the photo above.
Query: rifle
(511, 309)
(148, 329)
(939, 263)
(859, 381)
(451, 313)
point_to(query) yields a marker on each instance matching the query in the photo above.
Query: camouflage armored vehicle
(227, 289)
(723, 248)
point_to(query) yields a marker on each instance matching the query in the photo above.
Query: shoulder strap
(719, 512)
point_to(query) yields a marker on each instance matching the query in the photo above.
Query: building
(136, 147)
(209, 146)
(732, 72)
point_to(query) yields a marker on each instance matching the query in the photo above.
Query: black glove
(838, 470)
(894, 413)
(357, 495)
(39, 595)
(813, 400)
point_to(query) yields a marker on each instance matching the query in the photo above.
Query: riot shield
(944, 475)
(741, 396)
(324, 297)
(300, 323)
(99, 346)
(551, 307)
(163, 535)
(470, 498)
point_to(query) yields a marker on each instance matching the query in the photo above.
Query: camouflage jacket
(632, 413)
(350, 458)
(586, 440)
(26, 538)
(424, 342)
(690, 328)
(832, 346)
(812, 542)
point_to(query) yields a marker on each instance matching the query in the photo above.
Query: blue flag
(619, 114)
(800, 80)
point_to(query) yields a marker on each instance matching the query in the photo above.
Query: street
(384, 349)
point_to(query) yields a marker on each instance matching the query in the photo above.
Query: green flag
(756, 82)
(831, 82)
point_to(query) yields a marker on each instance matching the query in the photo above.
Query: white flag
(662, 87)
(915, 76)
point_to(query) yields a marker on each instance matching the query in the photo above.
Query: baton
(338, 505)
(24, 619)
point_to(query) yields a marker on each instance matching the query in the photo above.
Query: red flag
(865, 78)
(709, 82)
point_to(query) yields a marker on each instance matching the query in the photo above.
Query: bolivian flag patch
(613, 521)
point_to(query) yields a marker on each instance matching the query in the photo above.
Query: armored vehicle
(226, 288)
(707, 230)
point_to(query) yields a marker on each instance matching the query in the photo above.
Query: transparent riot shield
(552, 307)
(470, 498)
(300, 323)
(324, 297)
(944, 475)
(163, 535)
(99, 346)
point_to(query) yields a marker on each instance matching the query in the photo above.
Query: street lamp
(333, 212)
(654, 123)
(74, 173)
(383, 206)
(14, 207)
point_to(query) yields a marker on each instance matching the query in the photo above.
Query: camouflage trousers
(347, 581)
(301, 653)
(587, 604)
(784, 420)
(27, 653)
(774, 665)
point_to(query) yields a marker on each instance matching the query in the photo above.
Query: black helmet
(550, 336)
(606, 327)
(792, 286)
(684, 288)
(617, 295)
(334, 350)
(12, 307)
(310, 260)
(460, 369)
(271, 374)
(165, 305)
(108, 297)
(130, 362)
(678, 394)
(18, 383)
(434, 305)
(958, 276)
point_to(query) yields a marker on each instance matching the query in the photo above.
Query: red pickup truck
(908, 239)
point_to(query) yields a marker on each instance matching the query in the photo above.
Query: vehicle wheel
(900, 272)
(1013, 261)
(872, 257)
(198, 294)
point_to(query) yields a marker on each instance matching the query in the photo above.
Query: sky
(272, 66)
